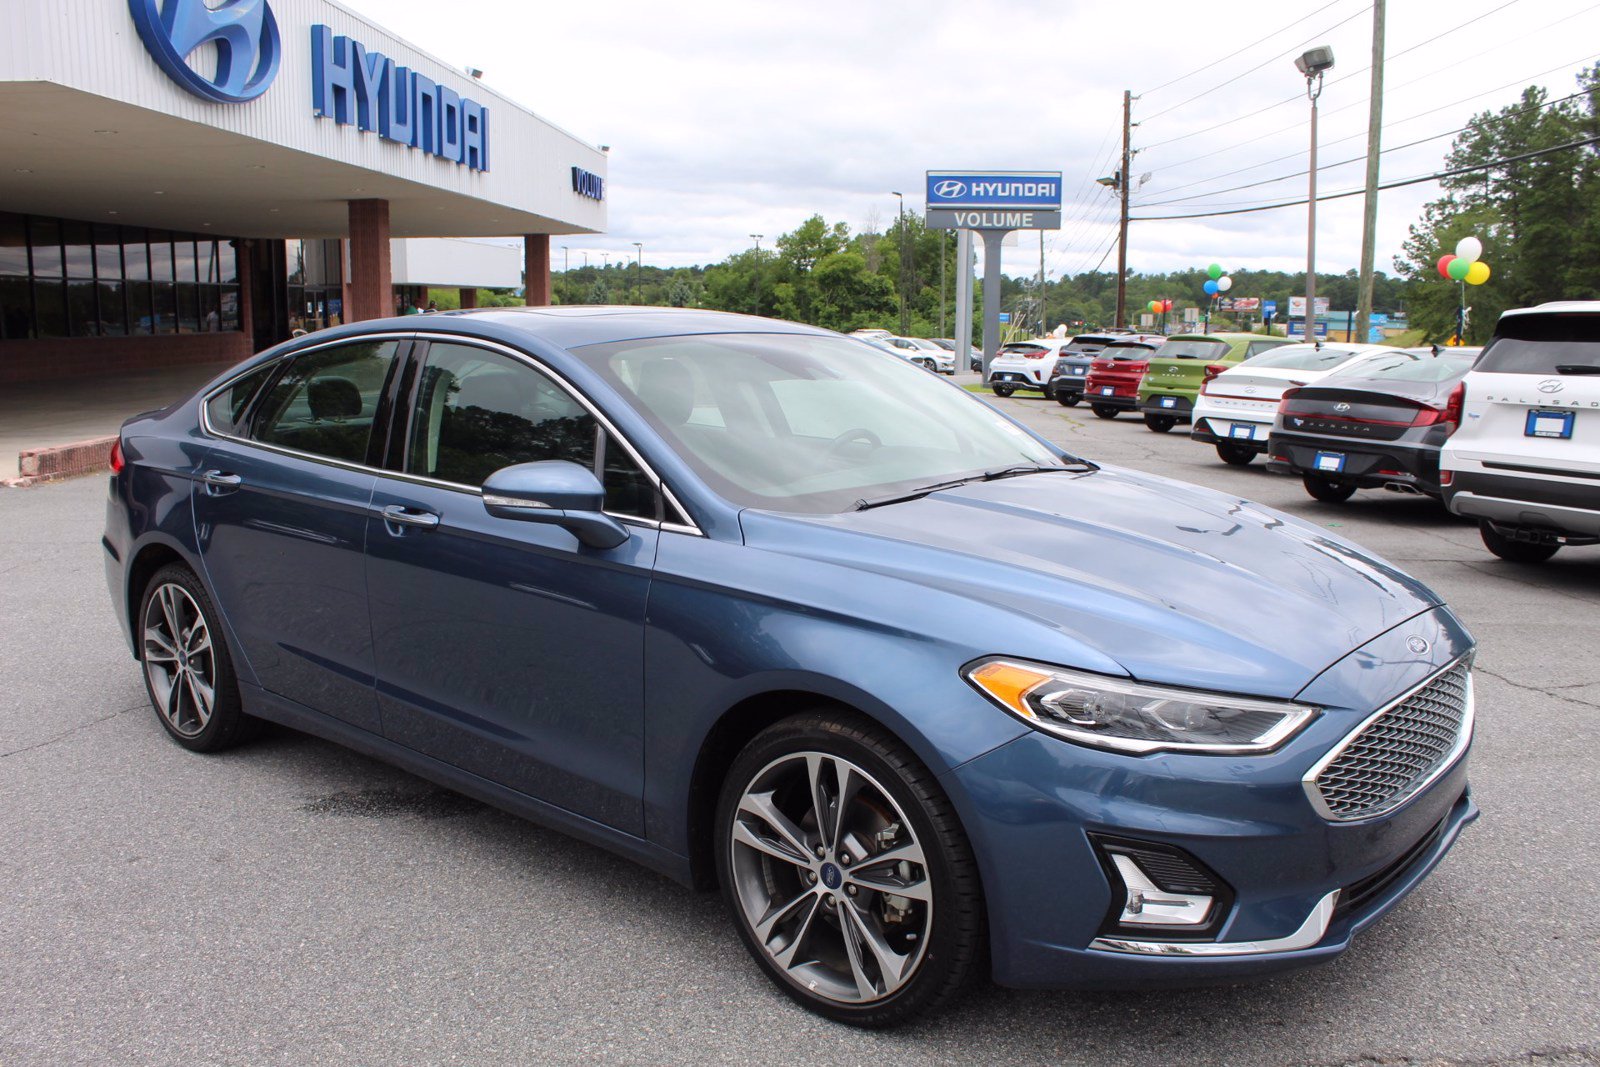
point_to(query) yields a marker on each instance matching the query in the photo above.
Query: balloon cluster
(1219, 282)
(1465, 266)
(1158, 307)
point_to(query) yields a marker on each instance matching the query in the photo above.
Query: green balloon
(1214, 271)
(1458, 269)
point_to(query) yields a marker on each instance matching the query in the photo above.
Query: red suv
(1114, 376)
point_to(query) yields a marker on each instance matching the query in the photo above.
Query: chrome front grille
(1398, 752)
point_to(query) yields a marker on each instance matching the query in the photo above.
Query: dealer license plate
(1108, 391)
(1549, 424)
(1169, 401)
(1079, 371)
(1332, 462)
(1243, 430)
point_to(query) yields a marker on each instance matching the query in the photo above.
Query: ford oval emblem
(245, 33)
(1417, 645)
(949, 190)
(1550, 385)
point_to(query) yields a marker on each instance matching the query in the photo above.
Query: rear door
(281, 517)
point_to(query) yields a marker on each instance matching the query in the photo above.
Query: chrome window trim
(1309, 934)
(686, 526)
(1308, 781)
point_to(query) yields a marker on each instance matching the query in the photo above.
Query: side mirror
(556, 492)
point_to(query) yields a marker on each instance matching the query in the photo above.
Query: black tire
(1003, 390)
(1104, 411)
(227, 724)
(956, 936)
(1160, 423)
(1236, 455)
(1068, 400)
(1514, 551)
(1049, 393)
(1327, 490)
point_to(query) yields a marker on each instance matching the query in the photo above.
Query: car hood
(1115, 569)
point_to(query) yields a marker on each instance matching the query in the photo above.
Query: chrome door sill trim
(1311, 931)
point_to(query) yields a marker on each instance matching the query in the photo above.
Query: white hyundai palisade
(1526, 461)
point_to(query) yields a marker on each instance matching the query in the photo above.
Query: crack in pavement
(1547, 1056)
(1549, 691)
(75, 730)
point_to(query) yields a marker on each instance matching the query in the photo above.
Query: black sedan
(1379, 427)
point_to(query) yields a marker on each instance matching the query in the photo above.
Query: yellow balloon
(1478, 273)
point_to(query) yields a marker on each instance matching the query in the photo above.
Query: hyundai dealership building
(184, 181)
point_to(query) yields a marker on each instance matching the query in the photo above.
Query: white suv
(1526, 461)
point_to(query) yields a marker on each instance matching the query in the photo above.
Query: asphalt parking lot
(294, 903)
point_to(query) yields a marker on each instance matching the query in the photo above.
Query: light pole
(905, 320)
(1313, 65)
(638, 264)
(563, 259)
(585, 253)
(756, 237)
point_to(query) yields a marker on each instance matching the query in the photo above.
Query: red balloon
(1168, 305)
(1444, 265)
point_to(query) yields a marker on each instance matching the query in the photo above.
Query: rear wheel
(1104, 411)
(847, 873)
(1160, 423)
(1236, 455)
(1327, 490)
(1068, 400)
(1003, 390)
(187, 670)
(1515, 551)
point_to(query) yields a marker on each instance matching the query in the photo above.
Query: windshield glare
(805, 423)
(1192, 350)
(1302, 357)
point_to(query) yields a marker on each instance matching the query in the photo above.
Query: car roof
(1557, 307)
(578, 325)
(1229, 337)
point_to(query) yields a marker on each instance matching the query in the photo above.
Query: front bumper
(1302, 885)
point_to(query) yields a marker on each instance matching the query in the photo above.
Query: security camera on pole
(1313, 64)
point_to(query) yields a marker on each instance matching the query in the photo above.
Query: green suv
(1183, 363)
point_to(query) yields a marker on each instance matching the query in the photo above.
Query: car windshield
(1544, 344)
(805, 423)
(1412, 367)
(1176, 349)
(1303, 357)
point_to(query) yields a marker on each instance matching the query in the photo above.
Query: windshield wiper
(1577, 368)
(1076, 466)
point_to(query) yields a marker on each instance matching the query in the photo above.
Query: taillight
(1446, 477)
(117, 462)
(1033, 355)
(1139, 365)
(1283, 401)
(1214, 369)
(1450, 414)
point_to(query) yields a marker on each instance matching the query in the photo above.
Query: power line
(1396, 184)
(1352, 159)
(1242, 51)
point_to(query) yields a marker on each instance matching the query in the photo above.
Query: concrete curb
(38, 466)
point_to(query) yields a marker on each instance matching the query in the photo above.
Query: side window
(477, 411)
(226, 408)
(326, 401)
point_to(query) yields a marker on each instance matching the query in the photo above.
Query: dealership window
(64, 278)
(316, 283)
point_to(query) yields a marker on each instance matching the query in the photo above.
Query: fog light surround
(1160, 890)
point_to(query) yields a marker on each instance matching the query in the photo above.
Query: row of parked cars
(1507, 434)
(937, 355)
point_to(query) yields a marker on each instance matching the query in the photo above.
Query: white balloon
(1469, 249)
(1224, 283)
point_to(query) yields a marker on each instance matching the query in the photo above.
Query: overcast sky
(732, 118)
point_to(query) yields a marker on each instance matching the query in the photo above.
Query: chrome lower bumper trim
(1311, 931)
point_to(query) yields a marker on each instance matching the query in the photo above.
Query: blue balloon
(1211, 288)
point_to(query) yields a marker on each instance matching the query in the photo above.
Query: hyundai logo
(1341, 407)
(950, 189)
(1417, 645)
(1550, 385)
(248, 48)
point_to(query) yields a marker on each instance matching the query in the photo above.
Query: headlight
(1127, 716)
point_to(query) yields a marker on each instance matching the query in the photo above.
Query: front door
(281, 518)
(505, 647)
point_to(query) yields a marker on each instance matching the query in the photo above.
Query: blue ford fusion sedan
(765, 610)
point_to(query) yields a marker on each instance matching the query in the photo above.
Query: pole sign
(1005, 317)
(1297, 328)
(1297, 306)
(994, 200)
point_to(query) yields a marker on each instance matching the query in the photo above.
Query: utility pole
(905, 315)
(638, 264)
(1124, 186)
(756, 237)
(1041, 284)
(1369, 222)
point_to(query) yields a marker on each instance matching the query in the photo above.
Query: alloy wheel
(830, 878)
(179, 660)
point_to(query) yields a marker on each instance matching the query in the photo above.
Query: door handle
(219, 481)
(399, 515)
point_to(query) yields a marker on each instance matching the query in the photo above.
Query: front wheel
(1160, 423)
(187, 670)
(1003, 390)
(1327, 490)
(1515, 551)
(1236, 455)
(1104, 411)
(847, 873)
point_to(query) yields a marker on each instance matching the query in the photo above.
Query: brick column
(371, 282)
(536, 262)
(469, 298)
